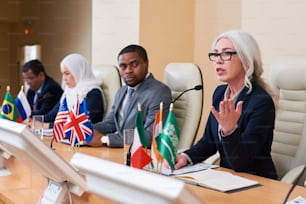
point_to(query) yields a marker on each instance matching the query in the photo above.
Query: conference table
(25, 185)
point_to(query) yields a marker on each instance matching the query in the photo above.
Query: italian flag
(140, 157)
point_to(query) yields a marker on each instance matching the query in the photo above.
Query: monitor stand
(59, 192)
(55, 193)
(4, 156)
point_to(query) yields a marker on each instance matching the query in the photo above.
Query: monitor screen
(129, 185)
(25, 146)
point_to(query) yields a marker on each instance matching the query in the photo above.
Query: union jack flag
(60, 120)
(78, 127)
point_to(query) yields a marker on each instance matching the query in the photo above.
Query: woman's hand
(228, 115)
(181, 161)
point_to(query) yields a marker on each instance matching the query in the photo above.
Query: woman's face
(229, 71)
(68, 77)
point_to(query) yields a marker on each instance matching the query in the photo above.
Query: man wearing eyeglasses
(43, 92)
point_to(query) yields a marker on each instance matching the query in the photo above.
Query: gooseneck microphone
(197, 87)
(128, 155)
(294, 184)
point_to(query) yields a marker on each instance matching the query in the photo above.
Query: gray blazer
(149, 95)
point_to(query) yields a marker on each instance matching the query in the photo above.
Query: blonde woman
(240, 125)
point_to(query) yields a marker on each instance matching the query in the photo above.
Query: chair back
(287, 78)
(111, 82)
(188, 108)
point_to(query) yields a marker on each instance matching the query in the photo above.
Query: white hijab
(83, 76)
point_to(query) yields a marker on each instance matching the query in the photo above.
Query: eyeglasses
(225, 56)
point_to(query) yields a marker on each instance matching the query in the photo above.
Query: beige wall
(5, 76)
(278, 26)
(115, 24)
(171, 30)
(61, 27)
(9, 13)
(211, 18)
(167, 32)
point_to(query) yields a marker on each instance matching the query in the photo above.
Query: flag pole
(146, 147)
(160, 169)
(171, 107)
(159, 163)
(76, 148)
(139, 109)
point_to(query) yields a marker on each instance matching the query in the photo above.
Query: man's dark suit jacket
(248, 148)
(50, 94)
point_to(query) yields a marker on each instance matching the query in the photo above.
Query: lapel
(243, 96)
(117, 107)
(120, 98)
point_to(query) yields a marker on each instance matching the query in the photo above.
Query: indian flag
(139, 157)
(157, 130)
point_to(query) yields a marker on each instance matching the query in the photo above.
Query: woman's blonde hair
(248, 51)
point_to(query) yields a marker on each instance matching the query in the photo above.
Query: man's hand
(96, 140)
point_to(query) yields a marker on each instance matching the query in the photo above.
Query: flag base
(55, 193)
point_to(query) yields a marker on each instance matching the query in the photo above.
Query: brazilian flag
(8, 109)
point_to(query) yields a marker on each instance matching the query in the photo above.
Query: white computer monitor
(25, 146)
(129, 185)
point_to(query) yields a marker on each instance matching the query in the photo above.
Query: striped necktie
(127, 104)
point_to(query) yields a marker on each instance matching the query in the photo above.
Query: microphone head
(198, 87)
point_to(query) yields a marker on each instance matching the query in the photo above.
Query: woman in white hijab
(78, 83)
